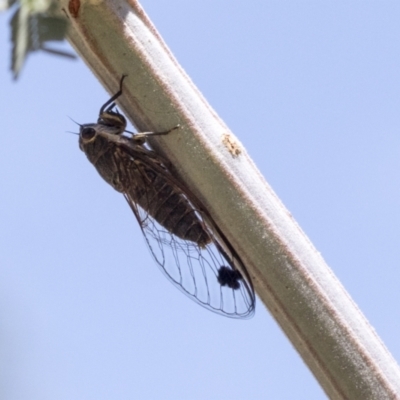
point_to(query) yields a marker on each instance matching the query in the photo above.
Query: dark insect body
(185, 242)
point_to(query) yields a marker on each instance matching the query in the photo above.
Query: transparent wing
(205, 274)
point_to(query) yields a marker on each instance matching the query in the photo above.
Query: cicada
(181, 235)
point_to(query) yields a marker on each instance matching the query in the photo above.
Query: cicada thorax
(152, 191)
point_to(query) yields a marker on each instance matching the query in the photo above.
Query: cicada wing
(199, 272)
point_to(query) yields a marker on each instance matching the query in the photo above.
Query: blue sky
(312, 90)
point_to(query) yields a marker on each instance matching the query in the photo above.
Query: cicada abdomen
(178, 230)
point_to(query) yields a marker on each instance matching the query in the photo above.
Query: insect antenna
(75, 122)
(75, 133)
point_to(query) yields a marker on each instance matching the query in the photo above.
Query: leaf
(30, 30)
(5, 4)
(20, 39)
(49, 28)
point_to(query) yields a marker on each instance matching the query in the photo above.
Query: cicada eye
(88, 133)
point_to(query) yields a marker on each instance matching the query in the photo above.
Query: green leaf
(5, 4)
(30, 30)
(50, 28)
(20, 39)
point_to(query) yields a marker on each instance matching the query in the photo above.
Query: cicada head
(90, 133)
(91, 136)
